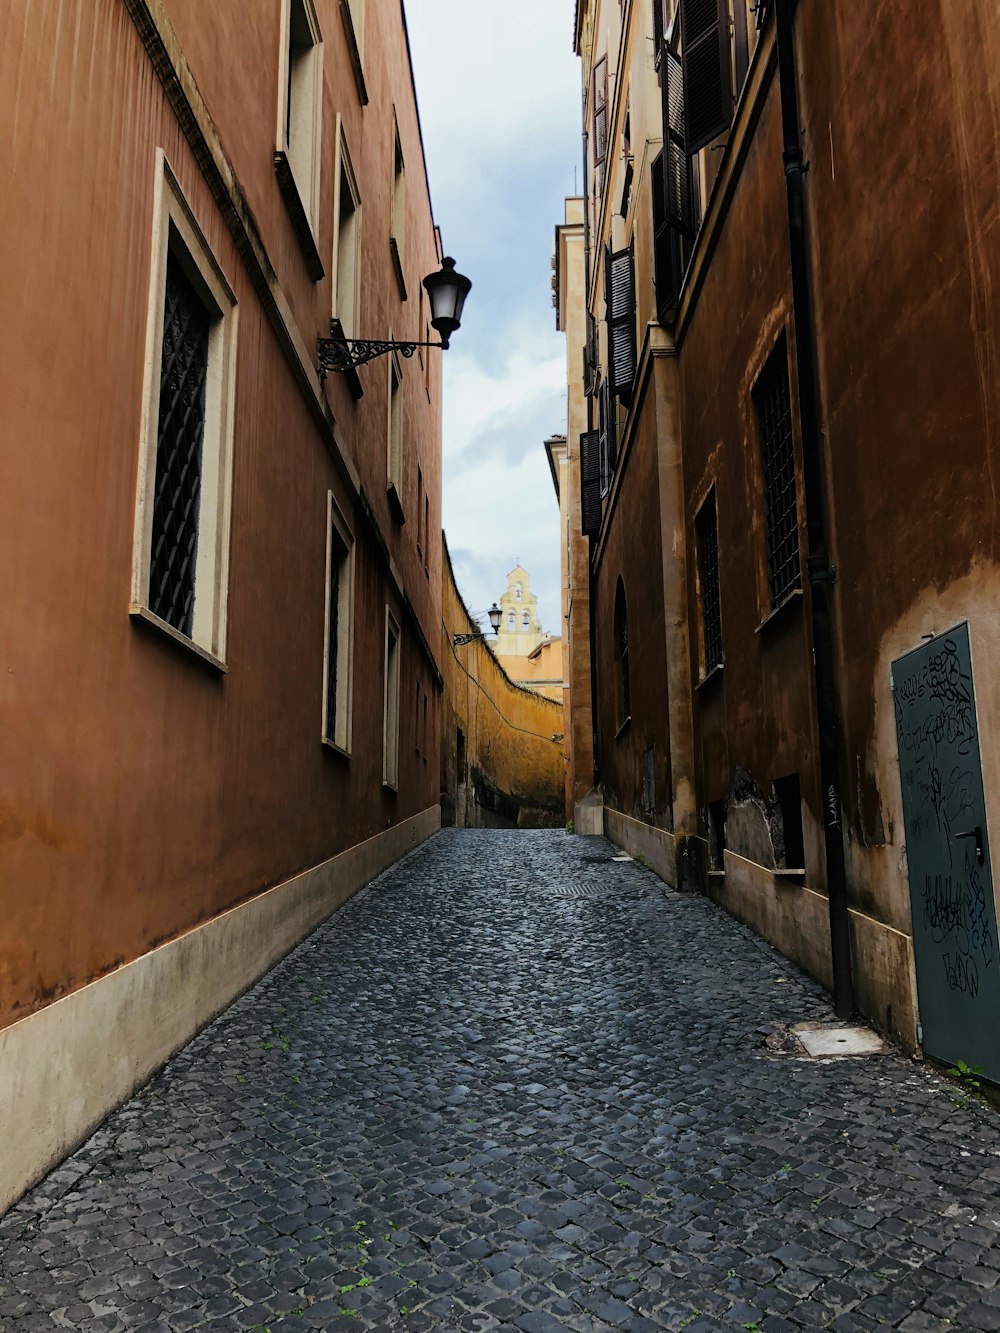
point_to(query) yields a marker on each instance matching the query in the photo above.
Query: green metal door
(947, 851)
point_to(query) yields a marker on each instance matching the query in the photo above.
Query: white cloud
(499, 94)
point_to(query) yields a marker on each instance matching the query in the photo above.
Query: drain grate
(578, 891)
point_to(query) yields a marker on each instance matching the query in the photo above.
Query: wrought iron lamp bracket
(342, 354)
(460, 640)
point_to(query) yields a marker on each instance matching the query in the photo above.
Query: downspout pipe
(821, 572)
(594, 731)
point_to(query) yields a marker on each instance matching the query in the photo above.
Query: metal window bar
(179, 438)
(626, 684)
(771, 396)
(707, 535)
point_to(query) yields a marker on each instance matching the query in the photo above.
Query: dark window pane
(180, 433)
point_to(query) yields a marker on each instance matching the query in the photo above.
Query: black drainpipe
(821, 572)
(591, 543)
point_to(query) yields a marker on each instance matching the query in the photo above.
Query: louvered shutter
(679, 182)
(666, 292)
(708, 98)
(600, 121)
(590, 483)
(608, 436)
(590, 356)
(603, 416)
(620, 298)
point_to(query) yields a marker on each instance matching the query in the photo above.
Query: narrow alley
(518, 1084)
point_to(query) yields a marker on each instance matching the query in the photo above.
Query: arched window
(517, 592)
(525, 622)
(510, 620)
(621, 652)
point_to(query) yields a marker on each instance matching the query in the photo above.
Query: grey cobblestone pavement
(516, 1085)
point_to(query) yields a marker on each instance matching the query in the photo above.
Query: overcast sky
(499, 92)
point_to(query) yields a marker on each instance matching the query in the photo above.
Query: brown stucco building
(787, 479)
(221, 631)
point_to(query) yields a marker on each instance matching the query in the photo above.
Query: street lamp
(446, 290)
(494, 614)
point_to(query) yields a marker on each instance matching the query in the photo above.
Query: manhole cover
(578, 891)
(821, 1040)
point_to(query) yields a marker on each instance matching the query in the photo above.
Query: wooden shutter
(604, 421)
(600, 121)
(619, 278)
(671, 181)
(708, 98)
(591, 356)
(590, 483)
(677, 152)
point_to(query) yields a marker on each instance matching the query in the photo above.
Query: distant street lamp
(446, 290)
(494, 614)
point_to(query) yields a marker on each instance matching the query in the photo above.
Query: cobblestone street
(518, 1085)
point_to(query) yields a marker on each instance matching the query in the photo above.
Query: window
(425, 728)
(297, 159)
(788, 797)
(394, 447)
(774, 420)
(347, 238)
(717, 834)
(427, 531)
(338, 667)
(510, 620)
(706, 530)
(397, 226)
(390, 726)
(460, 754)
(416, 721)
(621, 653)
(181, 554)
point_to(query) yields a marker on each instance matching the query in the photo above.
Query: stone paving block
(501, 1109)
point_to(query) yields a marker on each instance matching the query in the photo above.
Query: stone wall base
(66, 1067)
(655, 846)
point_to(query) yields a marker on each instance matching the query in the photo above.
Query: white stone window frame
(176, 230)
(344, 174)
(340, 741)
(304, 147)
(390, 708)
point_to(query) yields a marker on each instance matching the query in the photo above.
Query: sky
(498, 88)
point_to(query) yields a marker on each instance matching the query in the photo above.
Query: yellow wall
(512, 772)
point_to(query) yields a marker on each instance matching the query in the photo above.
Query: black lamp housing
(447, 290)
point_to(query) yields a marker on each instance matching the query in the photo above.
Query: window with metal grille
(706, 528)
(180, 570)
(774, 419)
(179, 436)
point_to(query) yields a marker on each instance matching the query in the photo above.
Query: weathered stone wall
(502, 762)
